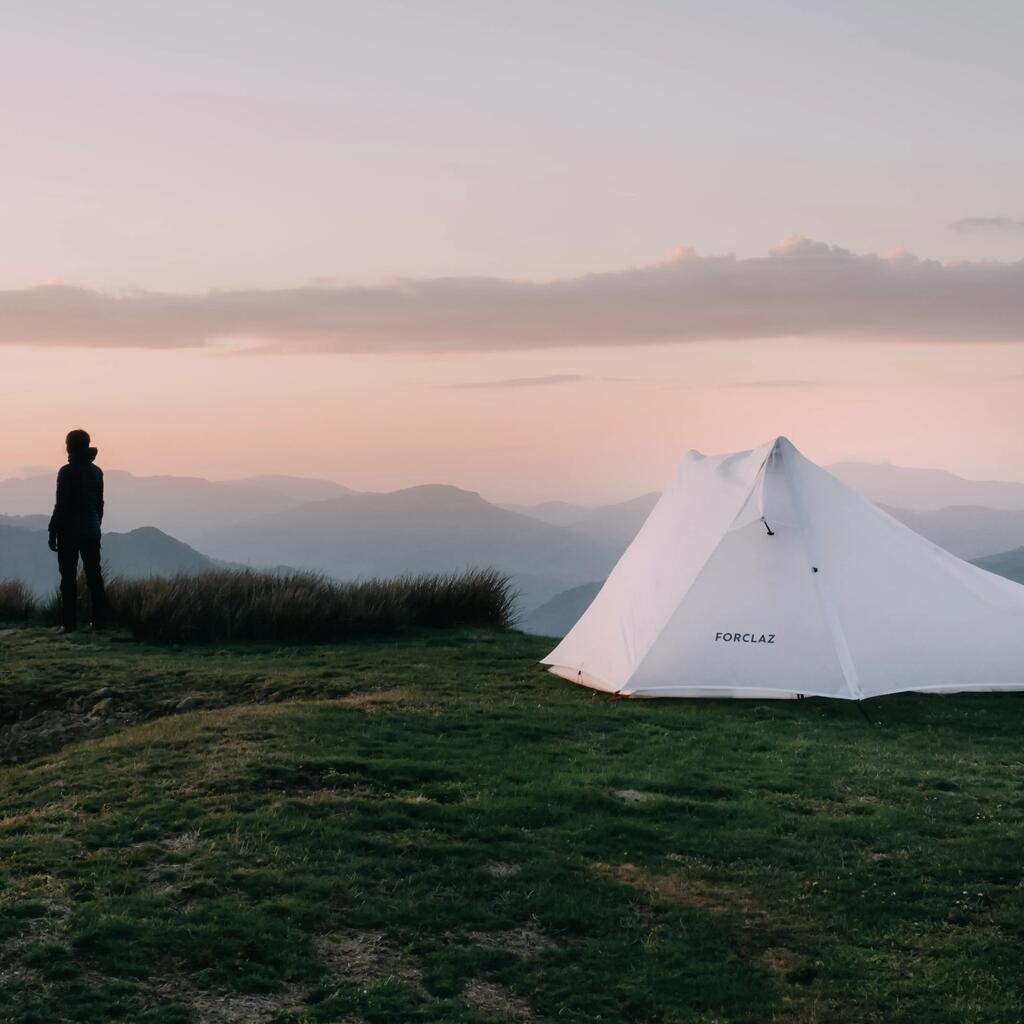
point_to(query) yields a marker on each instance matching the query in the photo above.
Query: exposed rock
(53, 728)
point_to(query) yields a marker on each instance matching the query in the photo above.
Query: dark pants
(69, 549)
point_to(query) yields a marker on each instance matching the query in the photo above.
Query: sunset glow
(611, 424)
(535, 253)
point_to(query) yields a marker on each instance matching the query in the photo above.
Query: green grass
(416, 830)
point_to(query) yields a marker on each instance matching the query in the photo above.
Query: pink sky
(572, 423)
(391, 243)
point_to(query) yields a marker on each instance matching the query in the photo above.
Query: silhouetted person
(75, 530)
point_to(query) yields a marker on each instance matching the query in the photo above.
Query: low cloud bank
(802, 288)
(517, 382)
(970, 225)
(535, 382)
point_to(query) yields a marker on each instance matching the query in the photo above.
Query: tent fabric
(759, 574)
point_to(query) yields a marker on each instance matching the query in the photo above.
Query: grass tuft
(244, 605)
(17, 603)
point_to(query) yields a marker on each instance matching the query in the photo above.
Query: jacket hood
(89, 455)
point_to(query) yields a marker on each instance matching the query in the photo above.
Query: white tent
(759, 574)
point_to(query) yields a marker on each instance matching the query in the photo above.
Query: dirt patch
(181, 842)
(11, 974)
(680, 887)
(49, 926)
(212, 1007)
(789, 965)
(815, 1011)
(334, 796)
(65, 808)
(368, 955)
(499, 869)
(634, 796)
(779, 960)
(526, 941)
(374, 698)
(497, 1000)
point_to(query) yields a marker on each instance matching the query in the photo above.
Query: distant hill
(1009, 564)
(557, 616)
(557, 513)
(26, 522)
(615, 525)
(433, 528)
(618, 524)
(299, 488)
(926, 489)
(180, 505)
(898, 487)
(139, 553)
(963, 515)
(967, 531)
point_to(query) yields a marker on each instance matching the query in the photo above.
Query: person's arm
(58, 509)
(99, 496)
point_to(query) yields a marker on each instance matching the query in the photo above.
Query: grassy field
(415, 829)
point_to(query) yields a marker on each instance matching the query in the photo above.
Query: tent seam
(835, 628)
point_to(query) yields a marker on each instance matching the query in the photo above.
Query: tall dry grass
(242, 605)
(17, 603)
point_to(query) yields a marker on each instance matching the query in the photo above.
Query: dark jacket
(79, 509)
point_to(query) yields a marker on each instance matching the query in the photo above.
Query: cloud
(801, 288)
(518, 382)
(534, 382)
(790, 383)
(968, 225)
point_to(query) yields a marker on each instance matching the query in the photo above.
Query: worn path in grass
(415, 830)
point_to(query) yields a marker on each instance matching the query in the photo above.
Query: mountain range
(926, 489)
(1009, 564)
(143, 552)
(183, 506)
(548, 549)
(431, 528)
(969, 531)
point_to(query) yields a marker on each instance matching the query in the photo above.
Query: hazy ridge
(554, 551)
(145, 551)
